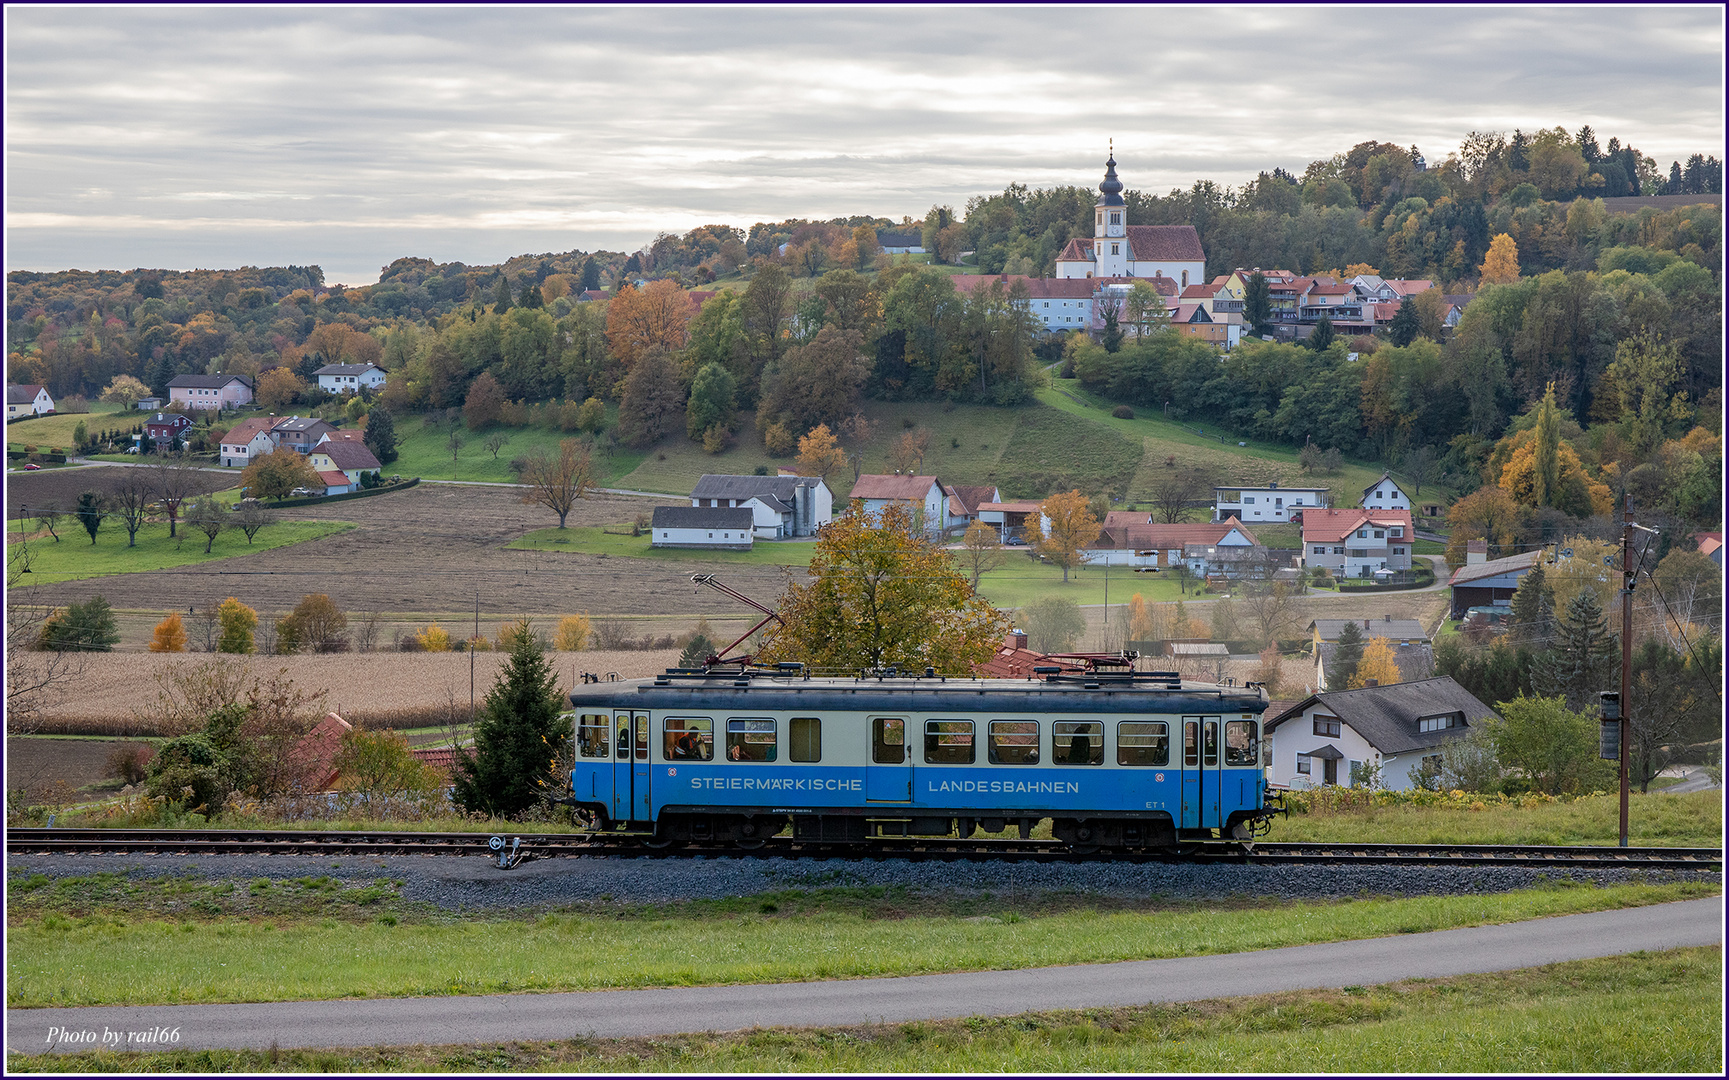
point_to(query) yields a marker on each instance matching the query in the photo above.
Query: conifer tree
(1322, 339)
(1347, 656)
(380, 437)
(1406, 323)
(516, 735)
(1583, 659)
(501, 296)
(1533, 608)
(590, 274)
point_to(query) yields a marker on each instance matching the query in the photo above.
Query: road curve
(617, 1013)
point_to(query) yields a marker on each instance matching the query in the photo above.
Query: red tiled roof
(315, 755)
(1166, 243)
(1023, 506)
(876, 486)
(333, 478)
(969, 496)
(1080, 249)
(1201, 292)
(1121, 519)
(443, 758)
(247, 430)
(1160, 536)
(1410, 286)
(1325, 526)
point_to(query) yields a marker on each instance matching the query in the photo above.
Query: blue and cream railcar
(1113, 760)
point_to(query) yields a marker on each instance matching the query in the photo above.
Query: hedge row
(1332, 799)
(319, 500)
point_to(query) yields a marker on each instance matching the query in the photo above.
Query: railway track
(603, 845)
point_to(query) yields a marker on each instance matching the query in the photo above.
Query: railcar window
(1191, 745)
(1014, 742)
(1078, 742)
(1210, 743)
(591, 730)
(888, 740)
(642, 738)
(1240, 743)
(750, 740)
(624, 737)
(689, 738)
(1143, 743)
(948, 742)
(804, 738)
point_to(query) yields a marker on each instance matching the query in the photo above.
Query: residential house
(314, 758)
(1339, 302)
(1195, 321)
(1412, 650)
(1486, 582)
(300, 433)
(1357, 543)
(336, 482)
(210, 391)
(923, 495)
(1266, 504)
(148, 404)
(964, 501)
(901, 242)
(1065, 304)
(781, 506)
(1384, 494)
(349, 378)
(729, 528)
(1454, 308)
(246, 440)
(1132, 538)
(27, 399)
(164, 428)
(1120, 250)
(1012, 518)
(1319, 739)
(352, 459)
(1711, 546)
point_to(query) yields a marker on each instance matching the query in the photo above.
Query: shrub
(130, 762)
(169, 636)
(433, 639)
(573, 633)
(1123, 412)
(238, 622)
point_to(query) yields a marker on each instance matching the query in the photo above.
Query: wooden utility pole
(1627, 572)
(471, 643)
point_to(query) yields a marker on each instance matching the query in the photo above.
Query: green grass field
(113, 940)
(1645, 1013)
(1691, 820)
(46, 431)
(75, 558)
(425, 452)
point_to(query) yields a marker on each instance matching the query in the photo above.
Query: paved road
(501, 1018)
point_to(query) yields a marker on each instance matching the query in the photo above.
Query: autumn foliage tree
(1378, 665)
(819, 454)
(276, 474)
(1501, 265)
(169, 636)
(656, 316)
(653, 400)
(1072, 528)
(556, 483)
(279, 388)
(881, 593)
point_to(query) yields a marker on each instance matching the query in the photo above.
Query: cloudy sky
(184, 137)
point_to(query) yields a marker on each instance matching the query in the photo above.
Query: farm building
(729, 528)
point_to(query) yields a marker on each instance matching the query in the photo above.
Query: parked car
(31, 467)
(131, 449)
(1015, 541)
(301, 492)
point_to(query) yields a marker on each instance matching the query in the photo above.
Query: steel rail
(555, 845)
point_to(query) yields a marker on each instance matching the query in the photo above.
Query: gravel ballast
(474, 883)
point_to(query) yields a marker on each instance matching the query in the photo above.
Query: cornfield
(393, 690)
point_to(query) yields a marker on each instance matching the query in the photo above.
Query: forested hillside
(1619, 312)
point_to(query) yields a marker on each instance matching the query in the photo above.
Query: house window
(1230, 496)
(1327, 725)
(1303, 764)
(1338, 551)
(1362, 534)
(1377, 494)
(1359, 553)
(1114, 250)
(1278, 502)
(1396, 532)
(1320, 549)
(1380, 534)
(1438, 723)
(1248, 500)
(1398, 551)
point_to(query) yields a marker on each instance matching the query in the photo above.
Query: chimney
(1476, 551)
(1017, 639)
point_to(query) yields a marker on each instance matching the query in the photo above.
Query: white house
(349, 378)
(210, 391)
(1384, 494)
(1120, 250)
(908, 241)
(781, 506)
(247, 440)
(924, 495)
(1012, 519)
(28, 399)
(1356, 543)
(730, 528)
(1319, 739)
(964, 502)
(1269, 503)
(1133, 538)
(352, 459)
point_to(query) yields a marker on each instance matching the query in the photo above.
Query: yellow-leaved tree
(170, 635)
(573, 633)
(1378, 665)
(238, 622)
(434, 639)
(880, 594)
(1501, 264)
(1072, 527)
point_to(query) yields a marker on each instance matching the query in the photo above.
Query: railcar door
(1212, 776)
(1191, 772)
(630, 768)
(889, 770)
(591, 773)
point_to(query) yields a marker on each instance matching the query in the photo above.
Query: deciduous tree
(238, 623)
(1053, 624)
(125, 391)
(319, 624)
(129, 496)
(816, 383)
(279, 388)
(1378, 665)
(656, 317)
(981, 551)
(173, 479)
(1554, 748)
(1175, 489)
(1072, 527)
(882, 594)
(275, 475)
(652, 401)
(820, 454)
(169, 635)
(484, 402)
(557, 483)
(208, 517)
(1486, 514)
(1501, 265)
(249, 517)
(713, 400)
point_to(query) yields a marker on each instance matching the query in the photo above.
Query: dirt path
(427, 551)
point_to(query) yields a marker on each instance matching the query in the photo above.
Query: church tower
(1110, 225)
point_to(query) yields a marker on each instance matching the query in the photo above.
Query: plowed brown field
(425, 553)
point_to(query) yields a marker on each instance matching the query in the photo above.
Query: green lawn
(425, 452)
(56, 430)
(75, 558)
(322, 940)
(616, 541)
(1691, 820)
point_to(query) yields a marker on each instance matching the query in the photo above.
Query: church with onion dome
(1120, 250)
